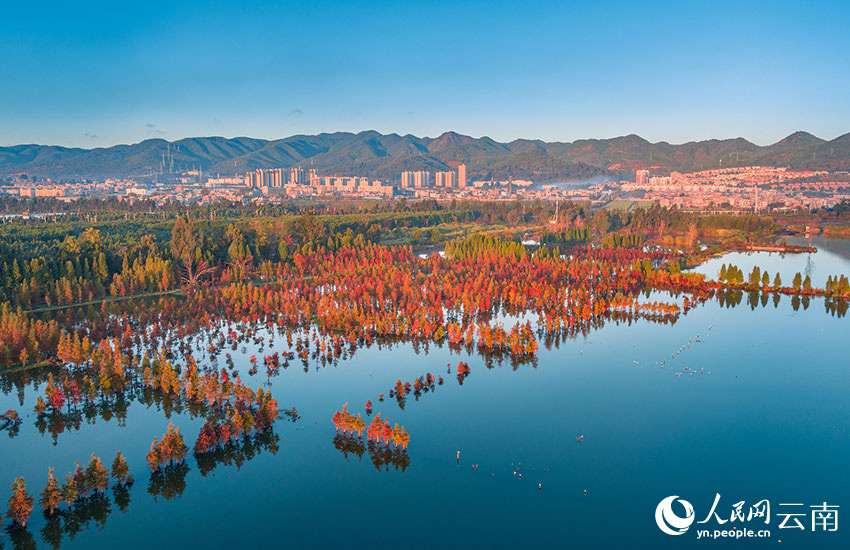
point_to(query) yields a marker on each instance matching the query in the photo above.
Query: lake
(831, 259)
(754, 406)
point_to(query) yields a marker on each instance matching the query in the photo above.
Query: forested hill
(386, 155)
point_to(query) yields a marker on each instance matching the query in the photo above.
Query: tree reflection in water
(238, 451)
(168, 481)
(84, 512)
(382, 456)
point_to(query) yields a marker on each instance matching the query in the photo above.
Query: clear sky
(99, 73)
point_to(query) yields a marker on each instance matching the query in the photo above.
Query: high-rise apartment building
(406, 180)
(447, 179)
(277, 177)
(461, 176)
(270, 177)
(421, 179)
(418, 179)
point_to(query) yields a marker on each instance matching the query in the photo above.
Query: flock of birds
(696, 339)
(518, 468)
(685, 370)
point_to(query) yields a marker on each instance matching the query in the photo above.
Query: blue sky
(98, 73)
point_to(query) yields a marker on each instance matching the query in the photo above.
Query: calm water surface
(832, 258)
(771, 420)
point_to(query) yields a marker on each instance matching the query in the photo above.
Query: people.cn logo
(667, 519)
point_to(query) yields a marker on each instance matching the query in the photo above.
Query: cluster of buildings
(421, 179)
(278, 177)
(296, 182)
(40, 188)
(753, 188)
(744, 188)
(643, 178)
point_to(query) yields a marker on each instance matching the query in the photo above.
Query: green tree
(102, 269)
(310, 228)
(601, 222)
(283, 251)
(184, 240)
(755, 276)
(798, 281)
(186, 250)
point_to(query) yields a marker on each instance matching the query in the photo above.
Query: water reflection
(382, 456)
(10, 422)
(237, 452)
(82, 513)
(168, 481)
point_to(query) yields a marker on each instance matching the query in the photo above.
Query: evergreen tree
(184, 240)
(755, 276)
(102, 269)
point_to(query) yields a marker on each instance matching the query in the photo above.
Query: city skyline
(94, 75)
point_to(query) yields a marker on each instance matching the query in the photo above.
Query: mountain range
(384, 156)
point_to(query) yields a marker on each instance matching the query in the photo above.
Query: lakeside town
(750, 188)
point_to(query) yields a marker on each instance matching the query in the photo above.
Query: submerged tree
(69, 491)
(170, 449)
(120, 470)
(97, 475)
(51, 496)
(81, 481)
(20, 504)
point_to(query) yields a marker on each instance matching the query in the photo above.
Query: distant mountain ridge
(385, 156)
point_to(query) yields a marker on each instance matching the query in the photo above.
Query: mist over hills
(384, 156)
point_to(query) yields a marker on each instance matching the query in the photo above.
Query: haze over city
(95, 74)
